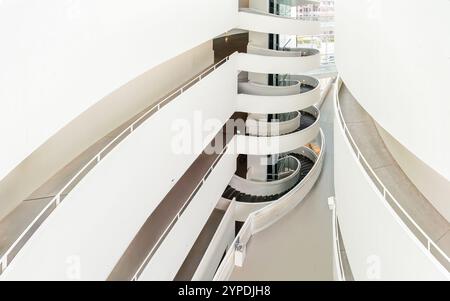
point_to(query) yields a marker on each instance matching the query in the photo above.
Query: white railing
(177, 217)
(9, 255)
(337, 256)
(267, 216)
(431, 247)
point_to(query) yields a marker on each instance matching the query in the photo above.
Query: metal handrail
(59, 197)
(384, 191)
(177, 217)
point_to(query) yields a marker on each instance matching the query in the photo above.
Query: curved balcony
(286, 123)
(292, 96)
(288, 61)
(287, 87)
(265, 145)
(260, 21)
(288, 52)
(289, 172)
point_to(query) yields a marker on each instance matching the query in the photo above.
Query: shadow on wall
(225, 46)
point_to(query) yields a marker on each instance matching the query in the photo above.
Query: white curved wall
(264, 188)
(64, 56)
(255, 20)
(277, 104)
(257, 127)
(253, 145)
(379, 245)
(99, 218)
(258, 217)
(277, 65)
(254, 88)
(394, 58)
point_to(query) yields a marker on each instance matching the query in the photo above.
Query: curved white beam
(277, 65)
(263, 127)
(261, 188)
(255, 20)
(277, 104)
(253, 145)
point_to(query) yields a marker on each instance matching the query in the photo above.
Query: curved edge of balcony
(259, 21)
(265, 104)
(267, 145)
(295, 65)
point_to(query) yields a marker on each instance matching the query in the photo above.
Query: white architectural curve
(259, 188)
(261, 145)
(259, 21)
(270, 100)
(274, 64)
(253, 88)
(262, 127)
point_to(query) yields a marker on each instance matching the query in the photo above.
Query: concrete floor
(362, 128)
(299, 246)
